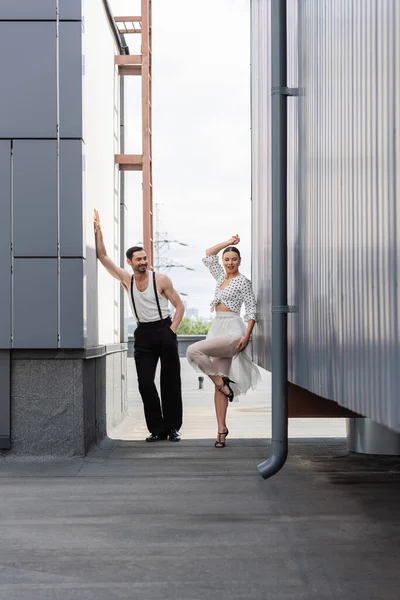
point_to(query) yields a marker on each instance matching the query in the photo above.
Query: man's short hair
(131, 251)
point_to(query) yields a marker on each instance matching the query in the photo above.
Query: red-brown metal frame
(141, 65)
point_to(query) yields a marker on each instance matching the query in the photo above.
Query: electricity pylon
(162, 263)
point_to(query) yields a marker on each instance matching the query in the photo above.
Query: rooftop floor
(186, 521)
(248, 418)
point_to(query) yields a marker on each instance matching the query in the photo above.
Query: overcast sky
(201, 132)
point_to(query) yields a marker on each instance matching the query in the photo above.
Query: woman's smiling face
(231, 261)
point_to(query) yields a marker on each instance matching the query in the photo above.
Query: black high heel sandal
(218, 443)
(226, 383)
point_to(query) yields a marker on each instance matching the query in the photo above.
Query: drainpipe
(280, 309)
(119, 38)
(122, 298)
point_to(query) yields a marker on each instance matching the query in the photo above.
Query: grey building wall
(46, 384)
(41, 162)
(343, 221)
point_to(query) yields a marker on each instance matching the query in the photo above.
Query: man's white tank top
(146, 303)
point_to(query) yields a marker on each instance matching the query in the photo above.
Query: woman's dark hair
(131, 251)
(232, 249)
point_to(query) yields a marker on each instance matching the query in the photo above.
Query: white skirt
(243, 371)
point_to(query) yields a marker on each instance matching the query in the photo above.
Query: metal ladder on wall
(141, 65)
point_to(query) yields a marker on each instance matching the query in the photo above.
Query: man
(155, 338)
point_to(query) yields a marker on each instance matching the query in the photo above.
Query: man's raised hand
(96, 222)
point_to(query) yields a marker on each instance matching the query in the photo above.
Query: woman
(223, 355)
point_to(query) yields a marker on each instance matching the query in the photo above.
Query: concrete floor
(189, 522)
(248, 418)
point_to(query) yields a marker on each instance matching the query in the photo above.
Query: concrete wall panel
(71, 303)
(28, 101)
(5, 244)
(71, 199)
(22, 10)
(71, 80)
(5, 395)
(35, 303)
(25, 10)
(47, 407)
(35, 198)
(71, 9)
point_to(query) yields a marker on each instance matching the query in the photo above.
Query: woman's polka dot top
(237, 291)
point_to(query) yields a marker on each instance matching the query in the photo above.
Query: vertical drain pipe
(122, 208)
(279, 242)
(124, 49)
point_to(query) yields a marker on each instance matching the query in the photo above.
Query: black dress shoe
(156, 437)
(174, 435)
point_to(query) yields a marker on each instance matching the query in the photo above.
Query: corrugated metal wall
(344, 225)
(261, 175)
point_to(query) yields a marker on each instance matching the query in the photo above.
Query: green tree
(193, 327)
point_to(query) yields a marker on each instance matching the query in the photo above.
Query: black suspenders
(155, 293)
(133, 300)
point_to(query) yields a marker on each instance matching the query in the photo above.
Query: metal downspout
(279, 359)
(122, 199)
(122, 298)
(119, 38)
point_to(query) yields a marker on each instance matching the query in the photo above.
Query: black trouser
(155, 341)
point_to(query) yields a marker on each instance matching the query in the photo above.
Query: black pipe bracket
(284, 91)
(284, 309)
